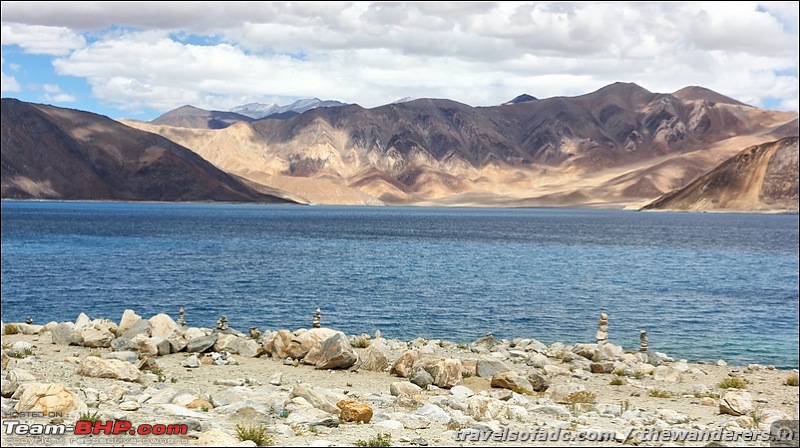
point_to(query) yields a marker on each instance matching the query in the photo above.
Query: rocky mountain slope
(760, 178)
(54, 153)
(619, 146)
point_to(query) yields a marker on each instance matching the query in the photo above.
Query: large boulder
(246, 347)
(280, 343)
(404, 365)
(336, 353)
(303, 341)
(64, 334)
(374, 360)
(162, 325)
(128, 319)
(512, 381)
(96, 336)
(201, 344)
(446, 373)
(140, 327)
(488, 366)
(355, 411)
(115, 369)
(320, 399)
(736, 402)
(47, 398)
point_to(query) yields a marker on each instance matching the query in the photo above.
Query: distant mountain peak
(524, 98)
(258, 111)
(404, 99)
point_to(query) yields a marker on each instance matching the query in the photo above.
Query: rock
(140, 327)
(126, 356)
(95, 337)
(243, 346)
(303, 341)
(129, 406)
(588, 351)
(488, 366)
(146, 346)
(538, 360)
(200, 403)
(194, 333)
(559, 392)
(62, 334)
(554, 410)
(501, 394)
(374, 360)
(121, 344)
(422, 379)
(6, 359)
(432, 413)
(736, 402)
(355, 411)
(318, 399)
(555, 370)
(280, 342)
(48, 397)
(393, 425)
(96, 367)
(226, 397)
(217, 437)
(461, 391)
(404, 388)
(708, 401)
(601, 367)
(163, 347)
(538, 382)
(512, 381)
(129, 318)
(446, 373)
(81, 321)
(22, 328)
(201, 344)
(336, 353)
(672, 417)
(483, 408)
(404, 365)
(667, 374)
(722, 363)
(191, 362)
(162, 325)
(276, 379)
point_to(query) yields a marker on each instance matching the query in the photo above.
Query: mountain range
(54, 153)
(620, 146)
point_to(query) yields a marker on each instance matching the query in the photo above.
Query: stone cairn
(602, 329)
(316, 319)
(643, 341)
(29, 320)
(222, 323)
(181, 317)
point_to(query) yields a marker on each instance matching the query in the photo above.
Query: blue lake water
(705, 286)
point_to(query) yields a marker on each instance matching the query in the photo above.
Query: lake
(705, 286)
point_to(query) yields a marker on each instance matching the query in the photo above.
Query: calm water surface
(705, 286)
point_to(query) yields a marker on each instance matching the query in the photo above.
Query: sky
(141, 59)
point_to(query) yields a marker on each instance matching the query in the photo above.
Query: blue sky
(138, 60)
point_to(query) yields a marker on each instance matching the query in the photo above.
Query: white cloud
(8, 83)
(54, 94)
(37, 39)
(373, 53)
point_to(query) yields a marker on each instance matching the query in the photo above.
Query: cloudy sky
(139, 60)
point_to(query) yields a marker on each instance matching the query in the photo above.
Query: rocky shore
(320, 387)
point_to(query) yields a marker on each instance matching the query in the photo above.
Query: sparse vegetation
(87, 417)
(638, 374)
(733, 382)
(384, 439)
(660, 393)
(617, 381)
(520, 390)
(619, 371)
(467, 374)
(255, 432)
(792, 380)
(583, 396)
(361, 342)
(24, 353)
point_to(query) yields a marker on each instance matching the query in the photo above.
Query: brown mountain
(760, 178)
(54, 153)
(619, 146)
(193, 117)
